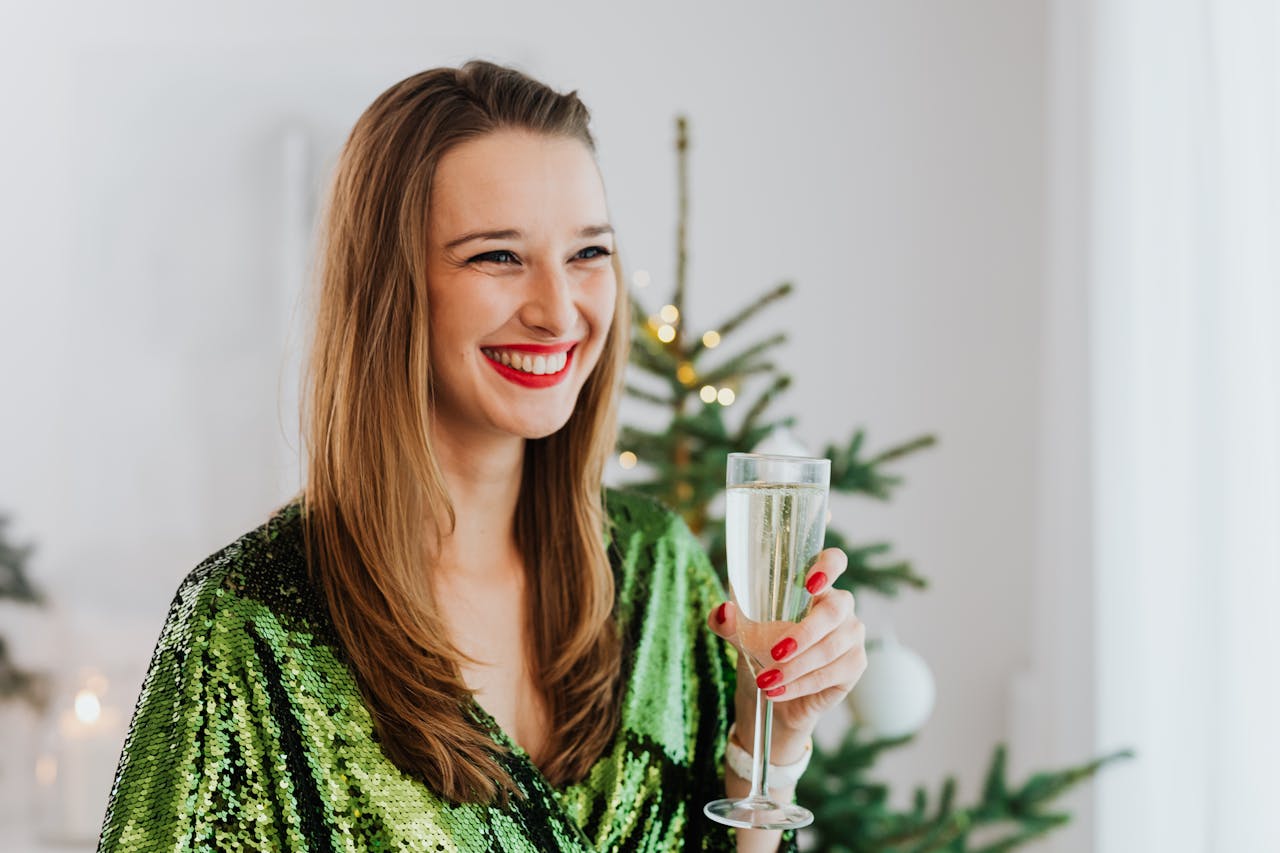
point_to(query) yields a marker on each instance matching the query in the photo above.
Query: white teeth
(537, 365)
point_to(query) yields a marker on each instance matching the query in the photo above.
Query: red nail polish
(815, 583)
(775, 692)
(768, 678)
(783, 649)
(720, 612)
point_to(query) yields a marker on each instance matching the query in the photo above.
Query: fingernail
(720, 612)
(783, 649)
(815, 583)
(775, 692)
(768, 678)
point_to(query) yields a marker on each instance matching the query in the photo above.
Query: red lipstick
(534, 380)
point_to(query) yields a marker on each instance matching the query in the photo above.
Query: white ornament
(895, 695)
(781, 441)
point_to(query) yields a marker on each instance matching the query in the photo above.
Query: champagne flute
(775, 525)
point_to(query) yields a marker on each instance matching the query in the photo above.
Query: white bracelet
(780, 775)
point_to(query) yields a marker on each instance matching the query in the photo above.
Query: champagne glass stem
(760, 747)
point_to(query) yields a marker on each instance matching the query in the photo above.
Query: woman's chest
(499, 667)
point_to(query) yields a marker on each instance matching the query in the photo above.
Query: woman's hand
(813, 666)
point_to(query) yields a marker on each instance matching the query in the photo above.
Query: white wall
(886, 155)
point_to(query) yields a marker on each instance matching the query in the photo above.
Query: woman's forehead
(516, 180)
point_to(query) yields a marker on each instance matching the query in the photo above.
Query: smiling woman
(455, 638)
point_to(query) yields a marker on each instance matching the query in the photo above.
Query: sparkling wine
(775, 532)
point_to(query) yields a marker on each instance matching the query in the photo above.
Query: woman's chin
(544, 430)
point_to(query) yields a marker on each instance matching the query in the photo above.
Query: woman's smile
(532, 365)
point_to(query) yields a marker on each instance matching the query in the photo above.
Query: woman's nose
(550, 307)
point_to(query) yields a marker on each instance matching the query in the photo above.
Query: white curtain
(1185, 376)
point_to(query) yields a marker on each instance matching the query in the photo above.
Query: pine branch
(849, 474)
(648, 396)
(740, 364)
(730, 325)
(853, 812)
(682, 212)
(651, 358)
(13, 577)
(886, 580)
(780, 384)
(15, 682)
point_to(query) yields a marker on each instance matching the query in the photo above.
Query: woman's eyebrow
(513, 234)
(506, 234)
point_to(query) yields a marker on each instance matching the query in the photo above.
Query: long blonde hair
(375, 502)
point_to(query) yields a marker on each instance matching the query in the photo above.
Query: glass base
(759, 813)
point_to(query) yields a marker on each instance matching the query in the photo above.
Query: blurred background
(1042, 230)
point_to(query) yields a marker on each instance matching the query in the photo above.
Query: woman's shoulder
(654, 550)
(258, 579)
(632, 511)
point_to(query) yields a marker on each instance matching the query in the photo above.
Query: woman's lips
(533, 380)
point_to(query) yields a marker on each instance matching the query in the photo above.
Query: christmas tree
(684, 466)
(17, 683)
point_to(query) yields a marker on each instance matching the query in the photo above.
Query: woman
(455, 638)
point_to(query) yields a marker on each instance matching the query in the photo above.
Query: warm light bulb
(666, 333)
(670, 313)
(711, 339)
(88, 708)
(627, 459)
(708, 393)
(653, 322)
(685, 373)
(725, 396)
(641, 278)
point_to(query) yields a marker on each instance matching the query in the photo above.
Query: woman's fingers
(830, 565)
(723, 620)
(830, 610)
(839, 673)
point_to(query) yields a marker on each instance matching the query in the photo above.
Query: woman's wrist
(787, 746)
(783, 775)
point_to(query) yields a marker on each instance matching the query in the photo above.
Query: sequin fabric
(251, 734)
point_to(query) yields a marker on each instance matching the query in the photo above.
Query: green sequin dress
(251, 734)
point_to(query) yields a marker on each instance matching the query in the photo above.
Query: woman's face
(520, 281)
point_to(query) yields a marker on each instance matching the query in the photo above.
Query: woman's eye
(592, 252)
(499, 256)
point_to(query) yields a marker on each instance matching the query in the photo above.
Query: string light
(88, 708)
(725, 396)
(708, 394)
(711, 339)
(666, 333)
(670, 313)
(627, 459)
(653, 323)
(641, 278)
(685, 373)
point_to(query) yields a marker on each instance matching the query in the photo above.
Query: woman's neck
(483, 476)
